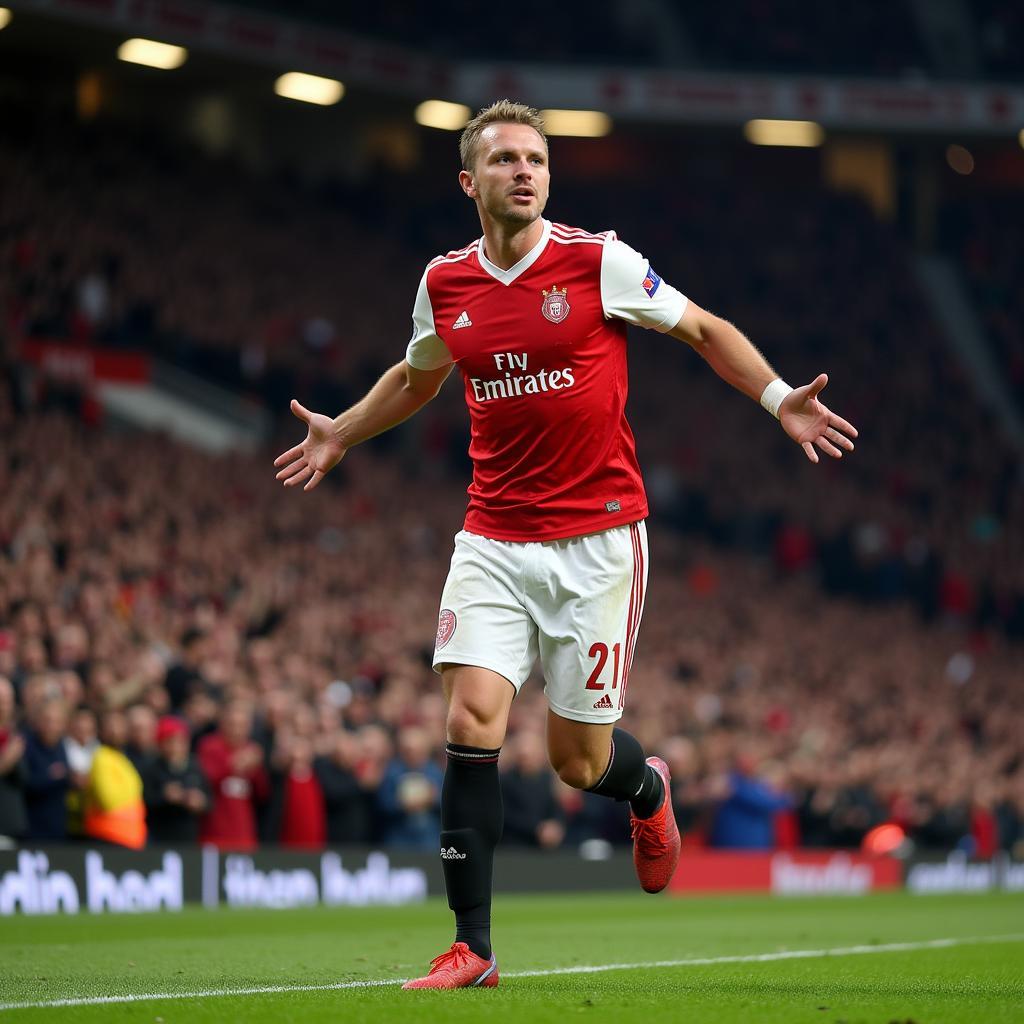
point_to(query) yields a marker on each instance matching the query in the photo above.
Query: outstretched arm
(399, 393)
(738, 362)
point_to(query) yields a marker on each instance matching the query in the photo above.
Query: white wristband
(773, 395)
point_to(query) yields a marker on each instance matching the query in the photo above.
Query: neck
(506, 244)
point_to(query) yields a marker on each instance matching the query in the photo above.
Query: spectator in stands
(80, 745)
(33, 661)
(745, 819)
(112, 806)
(71, 647)
(347, 799)
(410, 793)
(48, 774)
(184, 676)
(233, 765)
(984, 838)
(375, 751)
(278, 710)
(200, 712)
(13, 818)
(533, 816)
(174, 787)
(303, 817)
(141, 747)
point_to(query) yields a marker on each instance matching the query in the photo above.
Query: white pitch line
(708, 961)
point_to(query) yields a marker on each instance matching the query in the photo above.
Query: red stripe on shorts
(638, 571)
(634, 610)
(629, 616)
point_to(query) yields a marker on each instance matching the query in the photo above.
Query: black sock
(471, 824)
(629, 777)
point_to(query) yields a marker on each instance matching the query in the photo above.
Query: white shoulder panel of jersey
(426, 351)
(632, 291)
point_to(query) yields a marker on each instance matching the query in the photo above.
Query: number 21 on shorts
(599, 652)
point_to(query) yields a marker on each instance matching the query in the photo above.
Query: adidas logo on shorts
(451, 854)
(604, 704)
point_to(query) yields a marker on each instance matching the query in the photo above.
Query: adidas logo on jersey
(463, 321)
(604, 704)
(451, 854)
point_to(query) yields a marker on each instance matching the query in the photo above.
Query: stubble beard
(513, 216)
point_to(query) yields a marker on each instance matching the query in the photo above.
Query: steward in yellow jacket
(114, 811)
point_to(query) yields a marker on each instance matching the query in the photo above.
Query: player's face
(510, 176)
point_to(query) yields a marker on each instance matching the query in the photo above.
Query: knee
(472, 726)
(578, 771)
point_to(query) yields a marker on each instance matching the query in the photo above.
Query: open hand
(316, 456)
(812, 424)
(195, 800)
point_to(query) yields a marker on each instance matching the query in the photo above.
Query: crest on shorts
(445, 628)
(555, 306)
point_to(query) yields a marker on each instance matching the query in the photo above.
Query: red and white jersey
(542, 351)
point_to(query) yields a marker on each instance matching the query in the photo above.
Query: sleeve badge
(651, 281)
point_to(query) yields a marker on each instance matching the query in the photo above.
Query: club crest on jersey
(445, 628)
(555, 306)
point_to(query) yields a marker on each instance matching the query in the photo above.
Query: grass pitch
(887, 966)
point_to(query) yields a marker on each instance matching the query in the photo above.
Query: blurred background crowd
(825, 649)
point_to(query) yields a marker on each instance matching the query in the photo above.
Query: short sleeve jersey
(542, 352)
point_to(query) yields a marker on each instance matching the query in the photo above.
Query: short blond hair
(500, 112)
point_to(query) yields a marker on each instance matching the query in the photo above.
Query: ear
(467, 183)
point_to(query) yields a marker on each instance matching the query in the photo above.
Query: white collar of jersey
(506, 277)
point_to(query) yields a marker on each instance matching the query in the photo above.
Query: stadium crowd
(254, 665)
(260, 661)
(129, 251)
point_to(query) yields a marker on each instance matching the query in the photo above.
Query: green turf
(59, 957)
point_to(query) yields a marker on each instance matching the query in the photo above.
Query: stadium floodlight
(297, 85)
(450, 117)
(5, 17)
(764, 132)
(587, 124)
(152, 54)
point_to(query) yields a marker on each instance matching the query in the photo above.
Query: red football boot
(656, 839)
(460, 967)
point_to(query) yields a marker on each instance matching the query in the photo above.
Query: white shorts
(577, 603)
